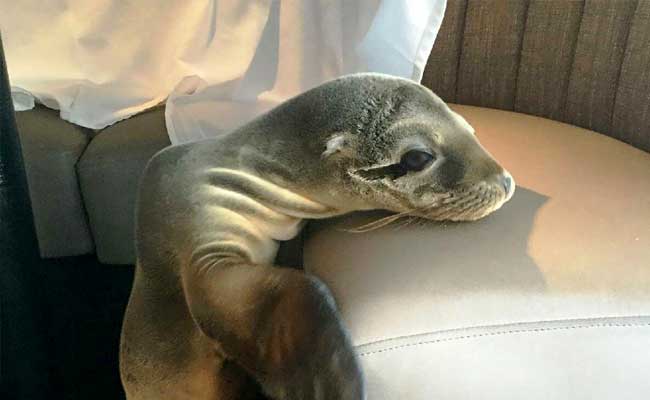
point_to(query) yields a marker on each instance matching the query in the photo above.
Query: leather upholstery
(51, 149)
(109, 172)
(546, 298)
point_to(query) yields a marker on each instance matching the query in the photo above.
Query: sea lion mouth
(462, 204)
(466, 203)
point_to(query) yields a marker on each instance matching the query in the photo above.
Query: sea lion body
(209, 316)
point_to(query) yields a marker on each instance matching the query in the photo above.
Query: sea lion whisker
(407, 222)
(370, 226)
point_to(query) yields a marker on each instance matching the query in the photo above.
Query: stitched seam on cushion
(508, 332)
(508, 326)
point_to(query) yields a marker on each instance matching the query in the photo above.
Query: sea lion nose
(506, 182)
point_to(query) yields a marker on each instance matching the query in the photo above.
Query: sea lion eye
(415, 160)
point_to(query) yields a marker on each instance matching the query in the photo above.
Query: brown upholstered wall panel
(490, 55)
(597, 63)
(547, 56)
(631, 120)
(585, 62)
(441, 72)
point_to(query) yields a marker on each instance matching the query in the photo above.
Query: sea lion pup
(209, 314)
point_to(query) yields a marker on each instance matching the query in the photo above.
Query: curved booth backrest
(584, 62)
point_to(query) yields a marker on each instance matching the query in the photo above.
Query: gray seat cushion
(51, 149)
(545, 299)
(109, 172)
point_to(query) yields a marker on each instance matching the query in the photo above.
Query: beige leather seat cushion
(51, 148)
(548, 298)
(109, 172)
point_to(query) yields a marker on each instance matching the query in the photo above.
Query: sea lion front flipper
(280, 325)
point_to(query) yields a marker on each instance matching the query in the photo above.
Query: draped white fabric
(217, 63)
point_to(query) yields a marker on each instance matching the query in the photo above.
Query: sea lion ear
(340, 143)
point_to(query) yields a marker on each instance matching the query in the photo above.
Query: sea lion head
(399, 147)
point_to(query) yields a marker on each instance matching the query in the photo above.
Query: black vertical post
(23, 370)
